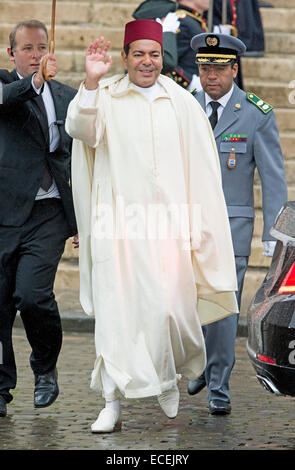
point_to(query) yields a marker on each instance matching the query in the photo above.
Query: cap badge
(212, 41)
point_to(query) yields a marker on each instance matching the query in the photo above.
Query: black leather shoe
(3, 407)
(219, 407)
(195, 386)
(46, 389)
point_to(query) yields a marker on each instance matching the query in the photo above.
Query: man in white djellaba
(156, 258)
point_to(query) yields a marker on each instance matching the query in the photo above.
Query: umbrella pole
(224, 12)
(51, 45)
(210, 16)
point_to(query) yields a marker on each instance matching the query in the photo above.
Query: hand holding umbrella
(46, 68)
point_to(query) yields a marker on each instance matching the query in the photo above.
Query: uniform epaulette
(178, 76)
(262, 105)
(181, 14)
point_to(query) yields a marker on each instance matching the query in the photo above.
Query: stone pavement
(258, 421)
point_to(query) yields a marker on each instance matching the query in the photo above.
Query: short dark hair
(33, 24)
(126, 49)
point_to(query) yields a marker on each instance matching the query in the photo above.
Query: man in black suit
(36, 208)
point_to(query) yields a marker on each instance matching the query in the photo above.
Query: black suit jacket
(24, 149)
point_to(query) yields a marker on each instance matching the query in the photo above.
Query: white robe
(150, 291)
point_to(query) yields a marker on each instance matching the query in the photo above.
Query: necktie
(214, 116)
(47, 178)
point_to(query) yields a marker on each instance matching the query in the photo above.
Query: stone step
(258, 224)
(70, 253)
(280, 43)
(75, 36)
(100, 13)
(288, 143)
(278, 94)
(68, 12)
(290, 171)
(281, 4)
(270, 67)
(67, 276)
(257, 260)
(285, 118)
(278, 19)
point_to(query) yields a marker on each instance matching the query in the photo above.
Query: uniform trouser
(29, 257)
(220, 345)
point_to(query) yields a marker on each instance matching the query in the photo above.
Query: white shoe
(169, 402)
(108, 421)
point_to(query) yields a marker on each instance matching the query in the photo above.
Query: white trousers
(110, 389)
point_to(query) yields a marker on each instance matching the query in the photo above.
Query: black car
(271, 314)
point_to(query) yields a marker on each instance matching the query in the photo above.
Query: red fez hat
(143, 29)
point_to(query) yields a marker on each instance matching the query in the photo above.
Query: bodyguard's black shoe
(3, 407)
(46, 389)
(195, 386)
(219, 407)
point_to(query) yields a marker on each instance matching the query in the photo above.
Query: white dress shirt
(53, 135)
(222, 101)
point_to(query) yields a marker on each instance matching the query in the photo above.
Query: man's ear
(124, 58)
(10, 54)
(235, 69)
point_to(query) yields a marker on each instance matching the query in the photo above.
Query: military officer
(244, 22)
(192, 21)
(247, 137)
